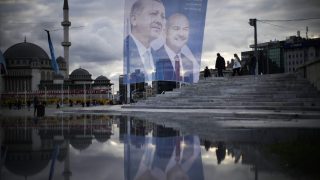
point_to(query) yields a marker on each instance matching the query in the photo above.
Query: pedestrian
(41, 110)
(252, 64)
(236, 65)
(70, 103)
(206, 73)
(28, 104)
(35, 105)
(220, 65)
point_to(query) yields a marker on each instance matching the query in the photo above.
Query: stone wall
(311, 71)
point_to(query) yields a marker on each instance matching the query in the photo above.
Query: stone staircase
(275, 92)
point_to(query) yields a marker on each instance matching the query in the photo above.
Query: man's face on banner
(150, 20)
(177, 31)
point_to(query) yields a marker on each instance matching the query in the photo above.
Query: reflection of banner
(163, 40)
(163, 158)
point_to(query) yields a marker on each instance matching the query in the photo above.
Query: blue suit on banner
(165, 70)
(134, 65)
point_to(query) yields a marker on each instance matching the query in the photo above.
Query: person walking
(236, 65)
(220, 65)
(28, 104)
(206, 73)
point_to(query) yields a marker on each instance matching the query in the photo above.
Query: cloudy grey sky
(97, 28)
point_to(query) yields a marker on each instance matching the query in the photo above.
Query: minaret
(65, 24)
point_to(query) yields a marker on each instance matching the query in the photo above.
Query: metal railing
(310, 71)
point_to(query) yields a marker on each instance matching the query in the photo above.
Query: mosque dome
(60, 60)
(81, 143)
(80, 74)
(27, 163)
(25, 50)
(102, 78)
(102, 135)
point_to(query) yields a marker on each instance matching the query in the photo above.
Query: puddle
(99, 147)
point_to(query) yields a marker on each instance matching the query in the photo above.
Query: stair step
(267, 92)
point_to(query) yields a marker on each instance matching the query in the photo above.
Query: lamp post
(253, 22)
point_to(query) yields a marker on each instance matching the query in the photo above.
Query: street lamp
(253, 22)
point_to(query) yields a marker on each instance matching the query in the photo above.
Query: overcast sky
(96, 32)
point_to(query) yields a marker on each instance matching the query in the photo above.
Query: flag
(3, 69)
(54, 63)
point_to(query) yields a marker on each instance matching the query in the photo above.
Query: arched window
(48, 76)
(43, 74)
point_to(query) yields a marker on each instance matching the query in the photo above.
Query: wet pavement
(102, 145)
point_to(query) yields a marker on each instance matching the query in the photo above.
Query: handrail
(310, 71)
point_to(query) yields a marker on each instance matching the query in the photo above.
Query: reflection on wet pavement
(77, 146)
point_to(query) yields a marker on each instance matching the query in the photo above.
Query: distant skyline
(97, 29)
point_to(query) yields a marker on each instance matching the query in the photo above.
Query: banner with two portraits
(163, 40)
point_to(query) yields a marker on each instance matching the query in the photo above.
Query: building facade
(29, 74)
(299, 51)
(286, 55)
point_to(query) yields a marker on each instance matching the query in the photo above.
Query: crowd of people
(239, 67)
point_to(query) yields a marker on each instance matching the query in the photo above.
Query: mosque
(29, 74)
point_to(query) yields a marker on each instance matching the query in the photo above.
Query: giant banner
(163, 40)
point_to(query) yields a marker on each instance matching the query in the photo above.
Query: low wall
(311, 71)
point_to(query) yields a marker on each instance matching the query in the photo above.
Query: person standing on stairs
(236, 65)
(220, 65)
(206, 73)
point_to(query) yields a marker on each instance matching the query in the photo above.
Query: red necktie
(177, 67)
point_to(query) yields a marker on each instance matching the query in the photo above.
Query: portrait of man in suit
(171, 63)
(147, 20)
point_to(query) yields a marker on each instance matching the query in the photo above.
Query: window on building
(289, 69)
(289, 56)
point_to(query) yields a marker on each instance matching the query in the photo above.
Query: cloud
(98, 45)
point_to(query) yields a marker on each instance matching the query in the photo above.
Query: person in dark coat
(220, 65)
(206, 72)
(252, 64)
(28, 104)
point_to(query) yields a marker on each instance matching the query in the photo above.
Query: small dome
(80, 75)
(102, 78)
(25, 50)
(80, 72)
(81, 143)
(60, 59)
